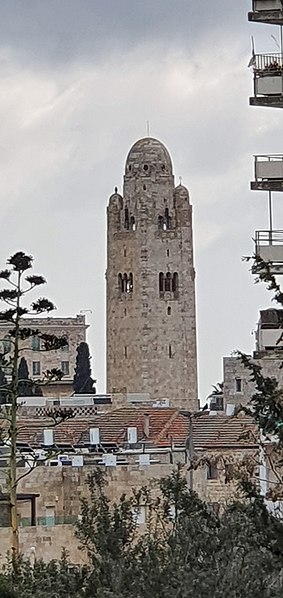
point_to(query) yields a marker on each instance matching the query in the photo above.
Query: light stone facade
(39, 361)
(59, 492)
(151, 324)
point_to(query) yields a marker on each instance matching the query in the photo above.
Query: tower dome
(181, 195)
(146, 154)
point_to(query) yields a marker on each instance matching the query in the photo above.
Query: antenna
(147, 128)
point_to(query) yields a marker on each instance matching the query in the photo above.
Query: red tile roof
(167, 426)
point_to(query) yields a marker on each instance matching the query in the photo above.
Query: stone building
(238, 387)
(151, 323)
(135, 446)
(39, 361)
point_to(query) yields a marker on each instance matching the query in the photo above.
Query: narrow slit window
(170, 351)
(238, 384)
(169, 310)
(126, 352)
(127, 221)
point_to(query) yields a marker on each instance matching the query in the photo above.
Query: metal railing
(268, 64)
(277, 6)
(269, 158)
(264, 167)
(268, 237)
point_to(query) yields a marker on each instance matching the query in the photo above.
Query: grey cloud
(62, 30)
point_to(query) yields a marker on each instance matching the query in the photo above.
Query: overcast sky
(79, 79)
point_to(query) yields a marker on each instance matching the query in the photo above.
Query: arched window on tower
(175, 284)
(168, 282)
(125, 280)
(133, 223)
(161, 283)
(120, 283)
(167, 220)
(127, 221)
(160, 222)
(125, 283)
(130, 283)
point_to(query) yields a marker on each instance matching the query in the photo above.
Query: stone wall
(233, 369)
(61, 489)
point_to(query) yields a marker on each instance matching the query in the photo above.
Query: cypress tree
(83, 382)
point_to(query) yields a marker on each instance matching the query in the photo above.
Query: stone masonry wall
(151, 337)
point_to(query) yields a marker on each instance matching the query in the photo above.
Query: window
(125, 252)
(65, 368)
(167, 220)
(36, 368)
(167, 252)
(50, 516)
(6, 344)
(169, 311)
(125, 282)
(126, 219)
(35, 343)
(170, 351)
(126, 352)
(161, 283)
(175, 282)
(132, 223)
(212, 472)
(238, 384)
(66, 346)
(168, 285)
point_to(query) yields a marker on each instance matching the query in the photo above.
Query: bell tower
(151, 323)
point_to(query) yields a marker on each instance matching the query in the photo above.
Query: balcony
(269, 247)
(267, 11)
(268, 80)
(268, 171)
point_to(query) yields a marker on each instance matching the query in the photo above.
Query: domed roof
(116, 199)
(181, 195)
(148, 152)
(182, 191)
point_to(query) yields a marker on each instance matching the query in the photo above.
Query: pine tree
(18, 285)
(83, 382)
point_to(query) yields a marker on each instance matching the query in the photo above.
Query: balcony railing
(264, 238)
(268, 64)
(269, 248)
(268, 167)
(266, 5)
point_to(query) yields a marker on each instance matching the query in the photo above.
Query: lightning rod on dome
(181, 180)
(147, 128)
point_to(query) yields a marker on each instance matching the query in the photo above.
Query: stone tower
(151, 323)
